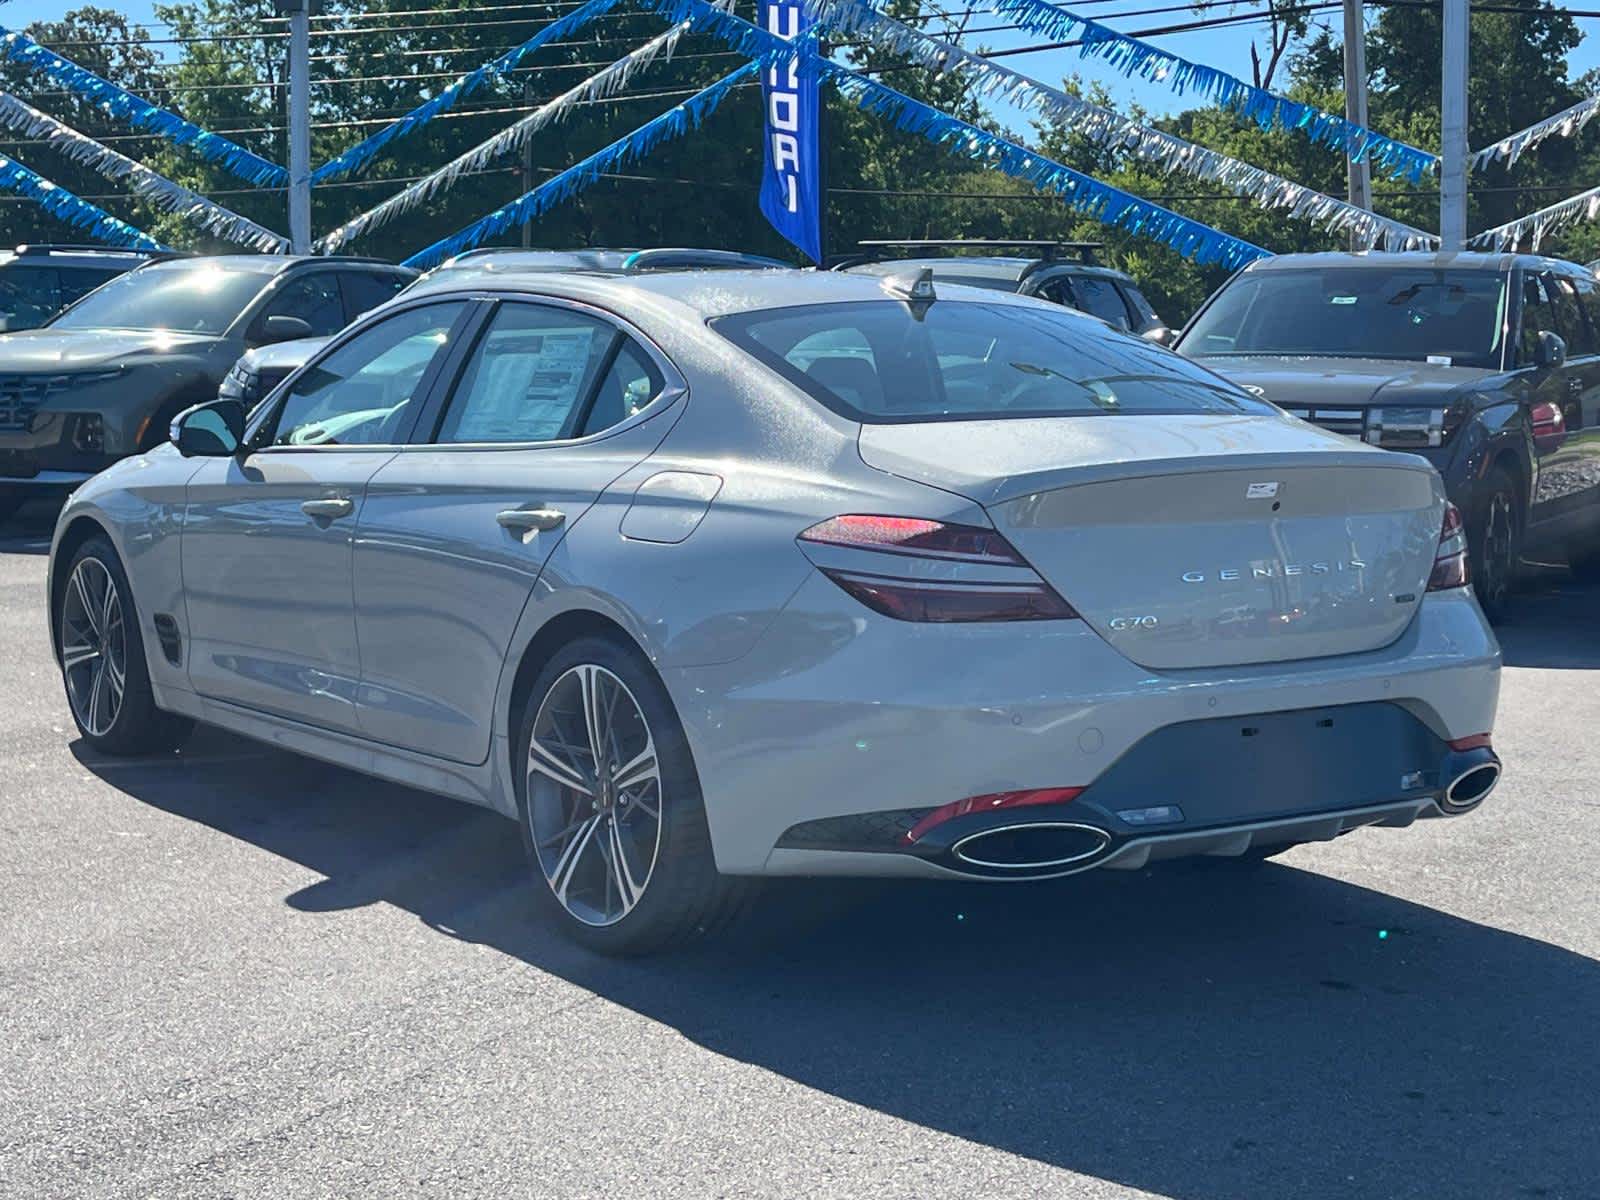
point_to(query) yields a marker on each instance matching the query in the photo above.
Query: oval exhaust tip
(1037, 846)
(1470, 788)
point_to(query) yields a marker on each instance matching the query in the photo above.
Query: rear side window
(365, 290)
(29, 295)
(630, 383)
(76, 284)
(530, 376)
(1100, 298)
(879, 361)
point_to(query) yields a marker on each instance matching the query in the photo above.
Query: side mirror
(1160, 335)
(214, 429)
(1551, 350)
(271, 330)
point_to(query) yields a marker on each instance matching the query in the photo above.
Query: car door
(1577, 460)
(267, 536)
(551, 405)
(1554, 400)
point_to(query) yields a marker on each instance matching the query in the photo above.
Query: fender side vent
(171, 640)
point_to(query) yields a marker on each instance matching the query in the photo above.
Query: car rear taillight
(1450, 563)
(913, 569)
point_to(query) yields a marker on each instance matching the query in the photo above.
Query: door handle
(530, 520)
(329, 509)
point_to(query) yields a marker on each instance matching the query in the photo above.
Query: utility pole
(1453, 128)
(299, 14)
(527, 163)
(1355, 107)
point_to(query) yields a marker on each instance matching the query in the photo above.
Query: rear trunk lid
(1196, 541)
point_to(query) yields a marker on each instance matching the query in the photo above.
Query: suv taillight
(1450, 563)
(913, 569)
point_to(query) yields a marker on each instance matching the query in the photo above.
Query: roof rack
(682, 258)
(1046, 250)
(39, 249)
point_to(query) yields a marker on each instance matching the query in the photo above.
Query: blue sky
(1227, 49)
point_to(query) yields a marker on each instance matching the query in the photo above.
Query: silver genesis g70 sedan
(706, 576)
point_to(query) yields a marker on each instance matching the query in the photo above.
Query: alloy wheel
(94, 647)
(594, 795)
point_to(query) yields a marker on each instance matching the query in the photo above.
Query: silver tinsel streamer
(1566, 123)
(158, 189)
(1164, 150)
(1537, 226)
(509, 140)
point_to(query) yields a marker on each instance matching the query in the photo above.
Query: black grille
(21, 396)
(1350, 421)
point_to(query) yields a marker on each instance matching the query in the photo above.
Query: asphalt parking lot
(237, 973)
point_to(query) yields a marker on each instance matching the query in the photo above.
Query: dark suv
(105, 378)
(1488, 365)
(1099, 291)
(37, 282)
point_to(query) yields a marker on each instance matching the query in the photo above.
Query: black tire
(683, 897)
(138, 727)
(1494, 543)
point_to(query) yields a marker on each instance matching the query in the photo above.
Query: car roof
(986, 266)
(1458, 260)
(707, 293)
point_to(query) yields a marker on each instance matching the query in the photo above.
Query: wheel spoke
(637, 771)
(628, 888)
(593, 722)
(78, 654)
(93, 721)
(108, 604)
(85, 605)
(540, 759)
(566, 865)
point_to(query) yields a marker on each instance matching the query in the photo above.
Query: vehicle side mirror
(214, 429)
(1551, 350)
(269, 331)
(1160, 335)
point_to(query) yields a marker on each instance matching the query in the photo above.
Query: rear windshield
(879, 361)
(1404, 313)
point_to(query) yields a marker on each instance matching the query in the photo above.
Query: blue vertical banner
(791, 181)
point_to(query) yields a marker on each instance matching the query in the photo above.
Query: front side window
(1573, 320)
(182, 297)
(1538, 315)
(530, 376)
(1100, 298)
(313, 297)
(880, 361)
(362, 393)
(1589, 300)
(1412, 314)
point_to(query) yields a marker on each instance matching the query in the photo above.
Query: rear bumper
(839, 714)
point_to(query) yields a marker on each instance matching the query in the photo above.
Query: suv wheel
(611, 814)
(1494, 539)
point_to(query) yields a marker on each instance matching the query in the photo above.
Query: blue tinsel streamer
(75, 211)
(1110, 205)
(141, 114)
(1133, 57)
(364, 152)
(675, 122)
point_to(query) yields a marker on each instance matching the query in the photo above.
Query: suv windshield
(196, 297)
(879, 361)
(1405, 313)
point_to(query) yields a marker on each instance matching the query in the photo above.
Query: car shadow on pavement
(1555, 624)
(1204, 1034)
